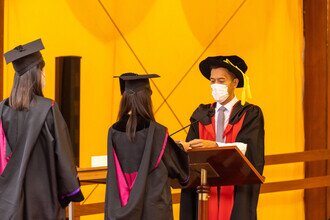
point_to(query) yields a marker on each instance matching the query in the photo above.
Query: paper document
(241, 146)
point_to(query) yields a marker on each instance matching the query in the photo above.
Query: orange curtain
(170, 38)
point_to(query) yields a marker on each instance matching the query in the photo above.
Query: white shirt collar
(228, 106)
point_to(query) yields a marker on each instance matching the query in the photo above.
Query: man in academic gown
(38, 177)
(225, 121)
(139, 171)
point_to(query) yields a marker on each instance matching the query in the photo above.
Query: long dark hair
(26, 87)
(135, 104)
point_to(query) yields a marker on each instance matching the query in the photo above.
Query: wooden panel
(307, 183)
(2, 17)
(98, 208)
(312, 155)
(96, 175)
(88, 174)
(88, 209)
(315, 100)
(328, 111)
(99, 174)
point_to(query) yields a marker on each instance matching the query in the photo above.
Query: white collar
(228, 106)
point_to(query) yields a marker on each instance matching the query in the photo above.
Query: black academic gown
(40, 178)
(251, 133)
(147, 165)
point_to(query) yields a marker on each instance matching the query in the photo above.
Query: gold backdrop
(170, 38)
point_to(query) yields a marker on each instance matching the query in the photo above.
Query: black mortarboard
(134, 82)
(24, 57)
(234, 64)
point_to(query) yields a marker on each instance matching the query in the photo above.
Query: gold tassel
(246, 90)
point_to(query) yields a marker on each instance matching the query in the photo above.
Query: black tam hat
(134, 82)
(24, 57)
(234, 64)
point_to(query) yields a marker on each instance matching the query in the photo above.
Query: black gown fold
(40, 178)
(138, 183)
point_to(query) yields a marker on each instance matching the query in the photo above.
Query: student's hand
(185, 145)
(202, 143)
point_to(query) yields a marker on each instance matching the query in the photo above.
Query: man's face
(223, 76)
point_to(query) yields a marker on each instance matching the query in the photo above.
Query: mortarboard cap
(134, 82)
(24, 57)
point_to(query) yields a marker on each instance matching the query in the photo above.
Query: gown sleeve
(193, 132)
(251, 133)
(66, 173)
(176, 161)
(203, 114)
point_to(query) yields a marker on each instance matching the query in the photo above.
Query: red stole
(221, 210)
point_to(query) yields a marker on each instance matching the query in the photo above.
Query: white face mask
(219, 92)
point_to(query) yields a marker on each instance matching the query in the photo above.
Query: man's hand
(185, 145)
(202, 143)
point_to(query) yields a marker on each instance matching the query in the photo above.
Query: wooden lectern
(218, 166)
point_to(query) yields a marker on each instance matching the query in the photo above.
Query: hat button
(20, 48)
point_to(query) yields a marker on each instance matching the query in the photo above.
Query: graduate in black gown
(141, 158)
(38, 177)
(240, 122)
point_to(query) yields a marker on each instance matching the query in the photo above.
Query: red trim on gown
(221, 210)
